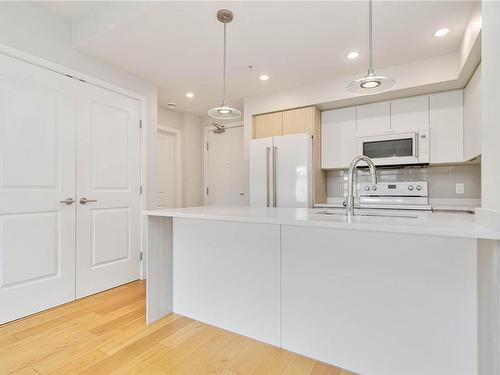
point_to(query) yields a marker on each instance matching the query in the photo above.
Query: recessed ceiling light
(441, 32)
(264, 77)
(353, 55)
(189, 95)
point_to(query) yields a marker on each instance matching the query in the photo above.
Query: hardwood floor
(106, 334)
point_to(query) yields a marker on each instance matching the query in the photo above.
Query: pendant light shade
(371, 83)
(224, 112)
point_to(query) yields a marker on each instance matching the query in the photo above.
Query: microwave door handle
(417, 143)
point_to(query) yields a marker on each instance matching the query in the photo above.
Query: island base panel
(380, 302)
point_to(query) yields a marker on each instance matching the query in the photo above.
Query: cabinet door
(268, 125)
(446, 127)
(410, 114)
(472, 117)
(373, 118)
(299, 120)
(338, 137)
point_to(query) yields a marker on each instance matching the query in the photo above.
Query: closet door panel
(108, 176)
(37, 172)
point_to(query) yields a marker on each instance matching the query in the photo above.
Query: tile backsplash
(442, 181)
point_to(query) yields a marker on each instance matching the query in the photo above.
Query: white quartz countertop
(449, 224)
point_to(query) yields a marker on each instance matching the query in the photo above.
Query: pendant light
(371, 83)
(224, 112)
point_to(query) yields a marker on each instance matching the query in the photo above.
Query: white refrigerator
(281, 171)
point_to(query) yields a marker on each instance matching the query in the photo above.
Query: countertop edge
(478, 233)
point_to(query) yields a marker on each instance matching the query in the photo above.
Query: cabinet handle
(85, 200)
(68, 201)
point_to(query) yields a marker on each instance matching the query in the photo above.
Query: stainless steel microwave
(396, 148)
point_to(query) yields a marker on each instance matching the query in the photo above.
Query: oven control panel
(395, 189)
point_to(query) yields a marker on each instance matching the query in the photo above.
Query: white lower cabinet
(379, 303)
(227, 274)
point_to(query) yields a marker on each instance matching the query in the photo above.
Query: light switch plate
(459, 188)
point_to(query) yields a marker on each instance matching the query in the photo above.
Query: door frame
(206, 129)
(143, 141)
(178, 176)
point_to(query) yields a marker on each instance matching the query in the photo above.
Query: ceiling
(178, 45)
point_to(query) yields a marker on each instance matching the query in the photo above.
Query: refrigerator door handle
(275, 150)
(268, 151)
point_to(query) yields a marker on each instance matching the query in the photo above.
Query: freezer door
(293, 170)
(260, 172)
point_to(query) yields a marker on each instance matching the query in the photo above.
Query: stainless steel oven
(398, 148)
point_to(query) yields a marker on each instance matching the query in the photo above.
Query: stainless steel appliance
(396, 148)
(395, 195)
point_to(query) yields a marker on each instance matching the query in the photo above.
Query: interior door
(37, 171)
(168, 169)
(108, 190)
(226, 168)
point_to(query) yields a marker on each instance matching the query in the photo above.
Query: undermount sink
(365, 213)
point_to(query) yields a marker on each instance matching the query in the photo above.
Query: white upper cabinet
(446, 127)
(472, 116)
(338, 137)
(374, 118)
(410, 114)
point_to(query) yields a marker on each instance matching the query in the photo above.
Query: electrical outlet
(459, 188)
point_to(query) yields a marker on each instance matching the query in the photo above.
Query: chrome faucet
(349, 206)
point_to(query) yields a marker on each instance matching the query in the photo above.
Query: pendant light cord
(370, 37)
(224, 74)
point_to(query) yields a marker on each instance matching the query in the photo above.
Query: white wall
(490, 159)
(167, 117)
(489, 284)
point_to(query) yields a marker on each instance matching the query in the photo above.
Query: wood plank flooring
(106, 334)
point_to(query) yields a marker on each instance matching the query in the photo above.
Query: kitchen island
(373, 294)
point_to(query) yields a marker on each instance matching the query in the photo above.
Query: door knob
(85, 200)
(68, 201)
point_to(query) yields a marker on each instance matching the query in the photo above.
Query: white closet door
(108, 176)
(37, 170)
